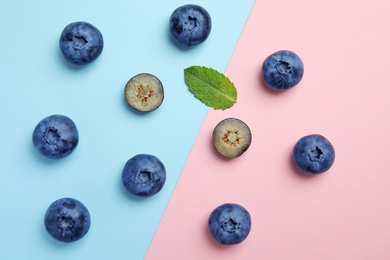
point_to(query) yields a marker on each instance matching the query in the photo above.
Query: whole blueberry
(81, 43)
(230, 223)
(282, 70)
(190, 25)
(144, 175)
(67, 220)
(313, 154)
(55, 136)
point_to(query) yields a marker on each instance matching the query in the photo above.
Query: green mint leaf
(211, 87)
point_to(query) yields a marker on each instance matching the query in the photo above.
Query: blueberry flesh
(55, 136)
(67, 220)
(282, 70)
(232, 137)
(81, 43)
(144, 92)
(144, 175)
(313, 154)
(190, 25)
(230, 223)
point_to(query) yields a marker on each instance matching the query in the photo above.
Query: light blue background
(36, 82)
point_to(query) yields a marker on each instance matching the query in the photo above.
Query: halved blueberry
(313, 154)
(55, 136)
(67, 220)
(81, 43)
(232, 137)
(282, 70)
(230, 223)
(190, 25)
(144, 92)
(144, 175)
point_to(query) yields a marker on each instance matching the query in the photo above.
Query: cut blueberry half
(144, 175)
(55, 136)
(190, 25)
(313, 154)
(81, 43)
(144, 92)
(67, 220)
(282, 70)
(230, 223)
(232, 137)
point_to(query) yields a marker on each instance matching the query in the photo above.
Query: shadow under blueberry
(55, 243)
(44, 159)
(130, 109)
(268, 90)
(67, 64)
(173, 43)
(179, 47)
(217, 154)
(212, 241)
(297, 172)
(127, 194)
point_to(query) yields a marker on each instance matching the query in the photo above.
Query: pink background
(344, 95)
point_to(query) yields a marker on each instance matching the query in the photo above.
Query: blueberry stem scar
(230, 225)
(79, 42)
(316, 154)
(283, 67)
(52, 136)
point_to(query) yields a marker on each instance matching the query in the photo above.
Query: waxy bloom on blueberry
(313, 154)
(55, 136)
(282, 70)
(81, 43)
(144, 175)
(190, 25)
(230, 223)
(67, 220)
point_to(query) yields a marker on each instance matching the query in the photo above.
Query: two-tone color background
(344, 95)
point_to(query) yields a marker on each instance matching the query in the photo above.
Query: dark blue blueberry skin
(144, 175)
(81, 43)
(55, 136)
(313, 154)
(67, 220)
(230, 223)
(282, 70)
(190, 25)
